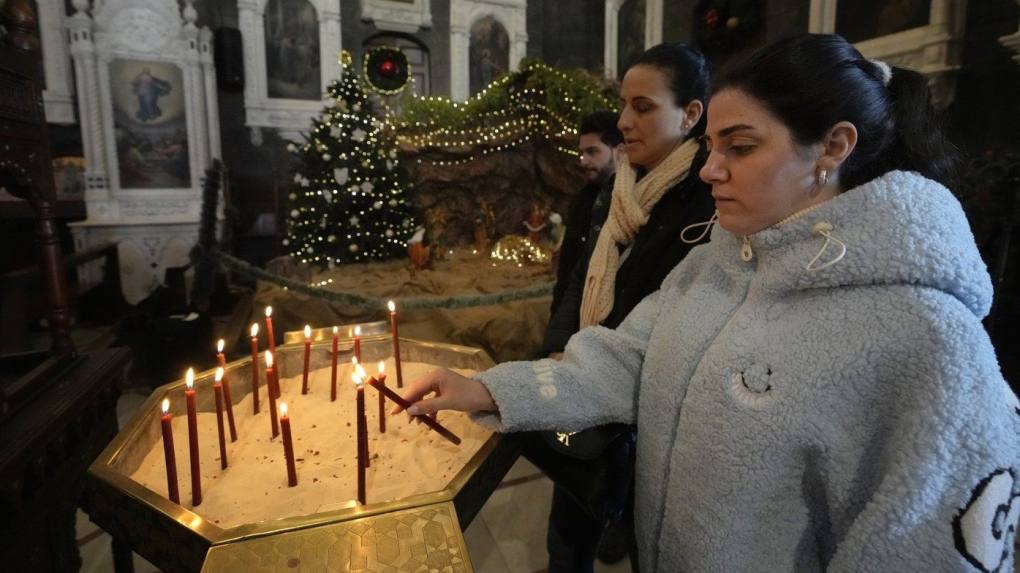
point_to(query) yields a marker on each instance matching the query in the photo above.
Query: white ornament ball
(326, 157)
(291, 147)
(294, 213)
(389, 233)
(393, 202)
(353, 248)
(377, 205)
(286, 242)
(310, 250)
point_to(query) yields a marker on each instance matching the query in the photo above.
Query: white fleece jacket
(849, 419)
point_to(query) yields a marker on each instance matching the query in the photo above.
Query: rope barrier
(417, 303)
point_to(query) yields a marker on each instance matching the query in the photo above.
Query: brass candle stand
(418, 531)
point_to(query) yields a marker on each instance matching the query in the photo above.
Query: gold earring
(823, 178)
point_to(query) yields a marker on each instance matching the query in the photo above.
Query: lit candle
(360, 415)
(269, 332)
(219, 354)
(227, 400)
(196, 475)
(218, 390)
(308, 354)
(357, 343)
(381, 377)
(288, 446)
(171, 456)
(427, 420)
(396, 343)
(255, 368)
(270, 373)
(332, 378)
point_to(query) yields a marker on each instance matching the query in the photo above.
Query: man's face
(597, 158)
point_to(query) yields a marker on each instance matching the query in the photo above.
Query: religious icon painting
(292, 50)
(150, 124)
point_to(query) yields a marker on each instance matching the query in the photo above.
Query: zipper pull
(745, 251)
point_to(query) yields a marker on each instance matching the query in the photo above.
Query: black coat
(575, 238)
(656, 250)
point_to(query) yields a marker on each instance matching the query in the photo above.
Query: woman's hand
(453, 392)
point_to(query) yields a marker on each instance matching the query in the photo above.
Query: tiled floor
(507, 536)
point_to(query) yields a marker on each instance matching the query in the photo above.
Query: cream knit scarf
(632, 203)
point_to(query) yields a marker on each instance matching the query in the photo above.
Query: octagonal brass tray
(421, 531)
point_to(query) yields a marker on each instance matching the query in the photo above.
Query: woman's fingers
(452, 392)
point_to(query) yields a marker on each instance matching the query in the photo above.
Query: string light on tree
(349, 165)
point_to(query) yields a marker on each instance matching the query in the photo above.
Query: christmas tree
(349, 198)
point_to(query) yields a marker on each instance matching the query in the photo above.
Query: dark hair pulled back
(688, 74)
(810, 82)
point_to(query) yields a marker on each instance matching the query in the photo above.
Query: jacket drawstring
(708, 227)
(746, 253)
(824, 229)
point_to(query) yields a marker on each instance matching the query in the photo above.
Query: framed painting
(149, 124)
(291, 50)
(487, 38)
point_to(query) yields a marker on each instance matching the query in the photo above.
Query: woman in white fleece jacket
(813, 389)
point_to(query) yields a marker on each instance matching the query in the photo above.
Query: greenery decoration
(349, 199)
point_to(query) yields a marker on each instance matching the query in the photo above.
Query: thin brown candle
(357, 343)
(270, 372)
(228, 403)
(360, 417)
(363, 428)
(396, 343)
(272, 339)
(428, 421)
(168, 452)
(332, 377)
(288, 446)
(255, 369)
(196, 470)
(381, 377)
(218, 390)
(308, 354)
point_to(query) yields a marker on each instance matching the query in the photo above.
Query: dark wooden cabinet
(55, 419)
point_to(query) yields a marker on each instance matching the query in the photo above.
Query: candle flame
(269, 311)
(166, 405)
(336, 330)
(357, 379)
(357, 331)
(283, 409)
(308, 331)
(354, 360)
(393, 307)
(219, 373)
(189, 378)
(361, 371)
(255, 330)
(269, 359)
(382, 366)
(219, 346)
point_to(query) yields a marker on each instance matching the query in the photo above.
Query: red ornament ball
(387, 69)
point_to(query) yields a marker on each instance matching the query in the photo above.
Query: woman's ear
(837, 145)
(692, 112)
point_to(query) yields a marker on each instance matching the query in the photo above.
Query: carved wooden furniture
(55, 419)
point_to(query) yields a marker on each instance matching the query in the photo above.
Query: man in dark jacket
(600, 145)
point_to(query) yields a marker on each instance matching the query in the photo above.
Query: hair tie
(886, 71)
